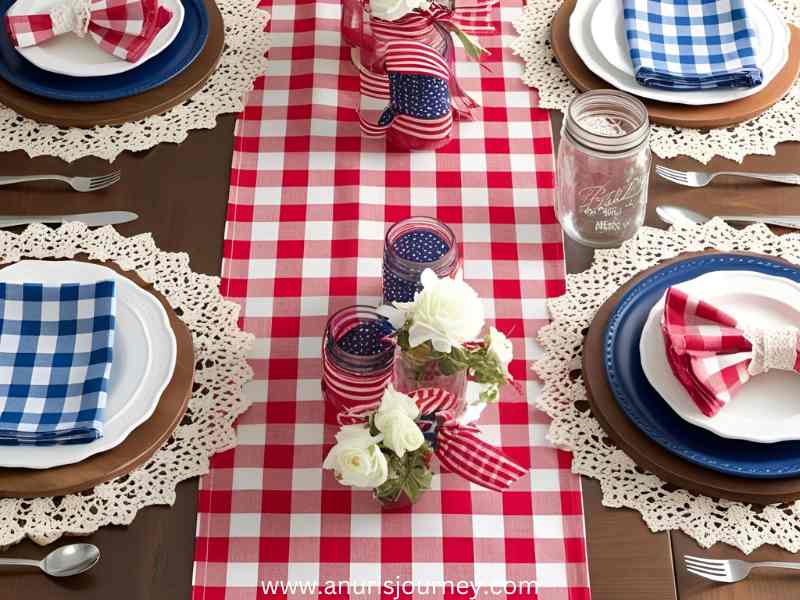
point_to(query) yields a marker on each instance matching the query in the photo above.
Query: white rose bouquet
(388, 453)
(438, 338)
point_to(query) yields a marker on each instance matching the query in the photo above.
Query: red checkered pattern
(708, 352)
(124, 28)
(310, 202)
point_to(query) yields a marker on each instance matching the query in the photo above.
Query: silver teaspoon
(62, 562)
(678, 215)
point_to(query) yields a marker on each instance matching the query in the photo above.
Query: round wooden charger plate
(153, 102)
(645, 452)
(678, 115)
(137, 448)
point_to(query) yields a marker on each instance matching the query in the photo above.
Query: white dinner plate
(71, 55)
(608, 58)
(766, 409)
(143, 363)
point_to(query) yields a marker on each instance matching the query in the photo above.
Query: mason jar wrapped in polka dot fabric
(410, 247)
(357, 357)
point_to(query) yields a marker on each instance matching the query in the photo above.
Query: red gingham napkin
(124, 28)
(708, 351)
(310, 202)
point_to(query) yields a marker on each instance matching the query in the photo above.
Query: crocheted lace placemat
(243, 59)
(221, 371)
(707, 520)
(780, 123)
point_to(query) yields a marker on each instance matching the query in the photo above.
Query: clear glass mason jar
(357, 361)
(414, 370)
(410, 247)
(603, 168)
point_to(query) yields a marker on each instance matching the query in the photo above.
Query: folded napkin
(713, 355)
(56, 346)
(691, 44)
(124, 28)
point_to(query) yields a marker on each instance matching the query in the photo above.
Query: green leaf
(471, 45)
(409, 475)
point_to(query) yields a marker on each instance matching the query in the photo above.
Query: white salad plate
(143, 360)
(766, 409)
(71, 55)
(597, 32)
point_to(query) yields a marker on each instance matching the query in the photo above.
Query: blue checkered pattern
(56, 345)
(691, 44)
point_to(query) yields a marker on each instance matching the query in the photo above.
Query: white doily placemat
(705, 519)
(780, 123)
(221, 371)
(243, 59)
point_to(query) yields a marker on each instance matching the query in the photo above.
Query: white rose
(448, 312)
(400, 433)
(394, 401)
(395, 420)
(391, 10)
(501, 349)
(356, 458)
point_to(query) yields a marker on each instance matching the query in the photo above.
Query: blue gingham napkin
(56, 345)
(691, 44)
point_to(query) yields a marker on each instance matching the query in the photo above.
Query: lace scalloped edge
(243, 60)
(221, 373)
(759, 135)
(707, 520)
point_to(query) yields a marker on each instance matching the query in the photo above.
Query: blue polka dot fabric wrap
(691, 44)
(422, 247)
(56, 348)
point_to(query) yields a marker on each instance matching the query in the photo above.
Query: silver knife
(94, 219)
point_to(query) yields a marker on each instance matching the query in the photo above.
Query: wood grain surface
(713, 115)
(153, 102)
(180, 194)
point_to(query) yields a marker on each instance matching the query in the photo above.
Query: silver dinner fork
(729, 571)
(699, 179)
(79, 184)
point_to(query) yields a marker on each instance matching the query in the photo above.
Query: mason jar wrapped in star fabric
(419, 115)
(409, 91)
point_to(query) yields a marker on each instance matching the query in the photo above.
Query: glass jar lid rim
(598, 140)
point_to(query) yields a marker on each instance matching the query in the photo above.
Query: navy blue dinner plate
(645, 407)
(183, 50)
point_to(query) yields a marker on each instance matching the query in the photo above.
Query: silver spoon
(62, 562)
(678, 215)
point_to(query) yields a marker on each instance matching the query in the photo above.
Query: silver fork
(729, 571)
(699, 179)
(79, 184)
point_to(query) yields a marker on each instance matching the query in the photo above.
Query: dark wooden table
(180, 193)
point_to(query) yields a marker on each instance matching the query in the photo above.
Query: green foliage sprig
(424, 362)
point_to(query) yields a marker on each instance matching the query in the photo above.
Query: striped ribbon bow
(457, 446)
(124, 28)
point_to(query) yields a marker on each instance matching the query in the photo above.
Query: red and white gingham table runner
(310, 202)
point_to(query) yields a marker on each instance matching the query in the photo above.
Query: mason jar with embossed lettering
(603, 168)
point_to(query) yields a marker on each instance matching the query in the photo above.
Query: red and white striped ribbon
(373, 85)
(458, 447)
(415, 58)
